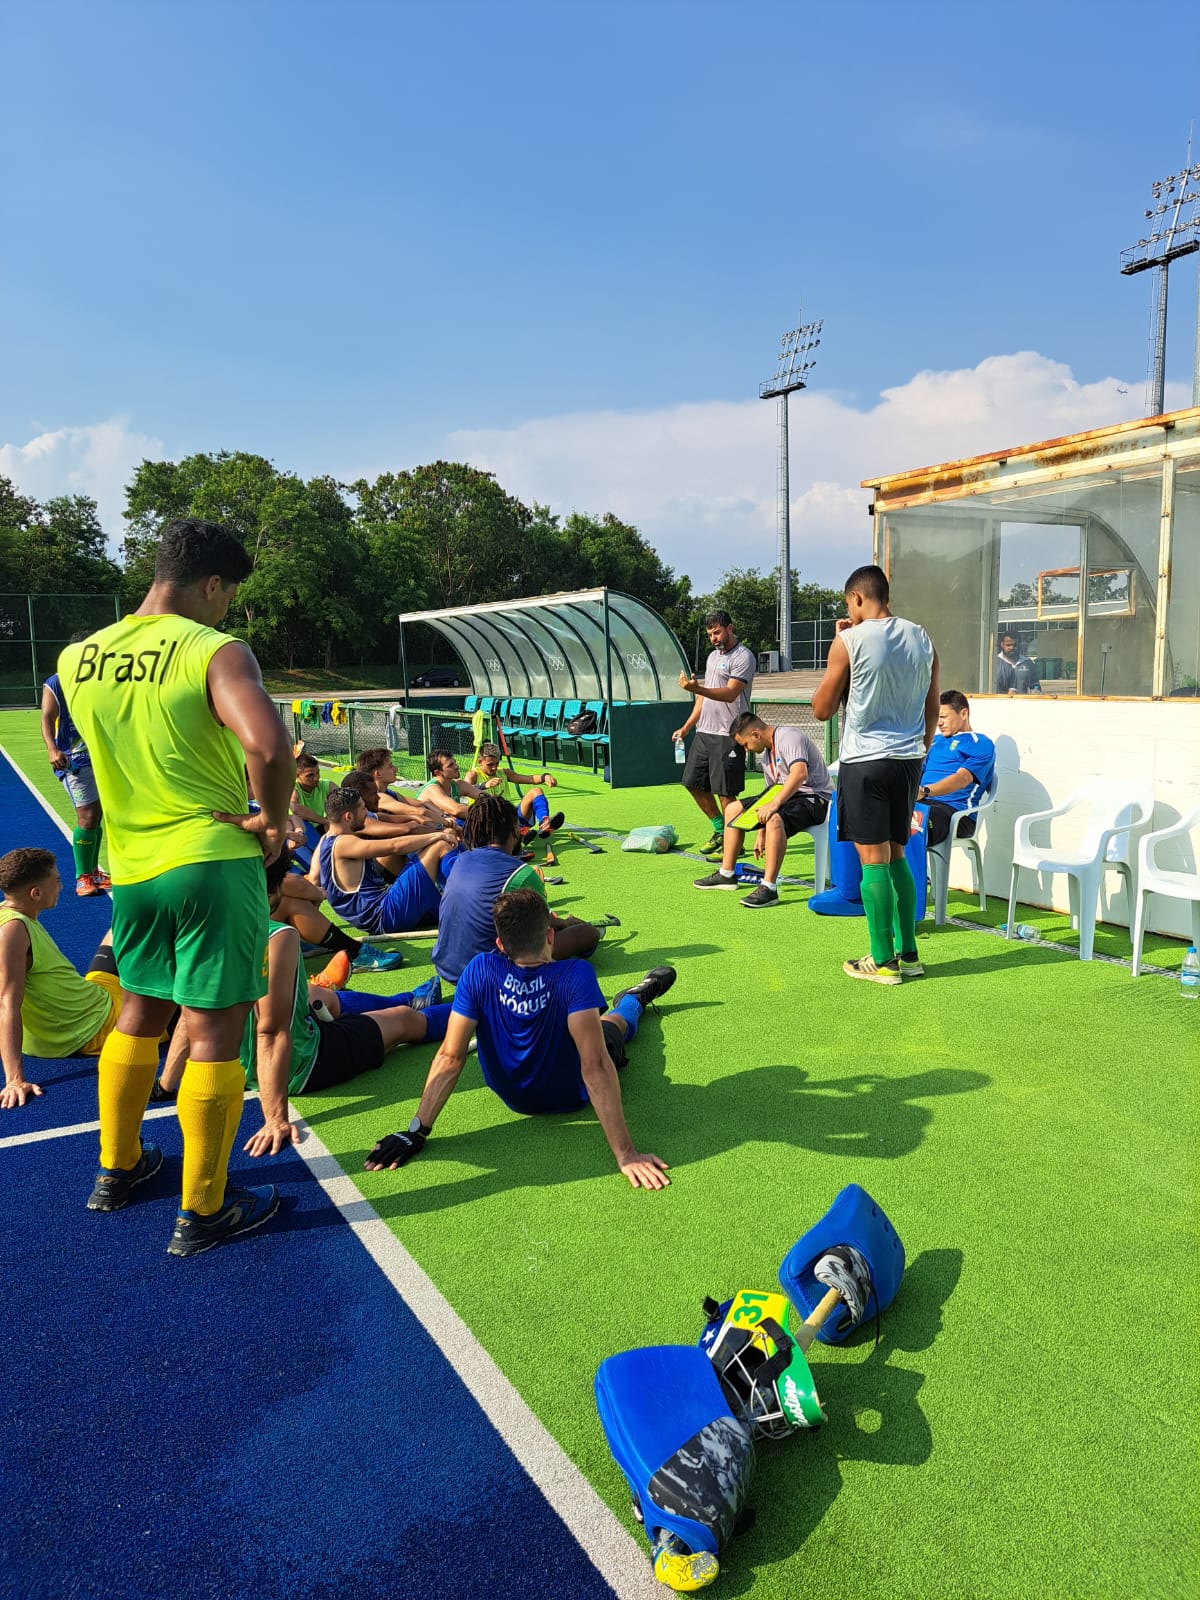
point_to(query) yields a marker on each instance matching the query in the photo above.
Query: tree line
(334, 564)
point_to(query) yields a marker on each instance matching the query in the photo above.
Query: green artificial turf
(1027, 1425)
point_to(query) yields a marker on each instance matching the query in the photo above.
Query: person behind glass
(958, 768)
(1015, 673)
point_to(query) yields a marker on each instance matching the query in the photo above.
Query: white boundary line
(612, 1549)
(617, 1556)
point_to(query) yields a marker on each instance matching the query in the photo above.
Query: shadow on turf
(874, 1415)
(871, 1115)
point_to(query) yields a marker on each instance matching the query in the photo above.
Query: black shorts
(875, 800)
(801, 812)
(715, 765)
(614, 1041)
(349, 1045)
(939, 824)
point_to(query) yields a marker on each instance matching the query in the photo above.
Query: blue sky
(354, 237)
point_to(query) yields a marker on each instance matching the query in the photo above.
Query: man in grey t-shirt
(792, 766)
(885, 670)
(716, 765)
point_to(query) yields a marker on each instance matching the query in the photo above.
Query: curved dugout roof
(595, 644)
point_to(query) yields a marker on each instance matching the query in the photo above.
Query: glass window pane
(1183, 611)
(938, 559)
(1036, 630)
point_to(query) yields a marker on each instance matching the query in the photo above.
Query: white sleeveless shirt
(891, 662)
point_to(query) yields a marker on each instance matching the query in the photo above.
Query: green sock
(85, 847)
(905, 886)
(879, 903)
(718, 824)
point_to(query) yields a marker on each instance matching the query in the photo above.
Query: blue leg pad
(854, 1219)
(687, 1459)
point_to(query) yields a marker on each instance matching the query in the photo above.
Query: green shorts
(196, 935)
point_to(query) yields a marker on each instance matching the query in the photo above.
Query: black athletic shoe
(158, 1094)
(552, 823)
(113, 1187)
(762, 896)
(655, 984)
(243, 1210)
(715, 881)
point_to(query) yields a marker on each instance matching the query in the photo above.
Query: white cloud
(97, 460)
(699, 479)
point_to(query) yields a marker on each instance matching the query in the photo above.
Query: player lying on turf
(349, 863)
(482, 872)
(532, 807)
(46, 1008)
(546, 1040)
(288, 1048)
(798, 789)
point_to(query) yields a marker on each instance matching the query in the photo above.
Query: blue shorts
(414, 895)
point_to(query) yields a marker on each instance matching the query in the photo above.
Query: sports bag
(585, 722)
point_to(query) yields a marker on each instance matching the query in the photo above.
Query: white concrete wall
(1045, 748)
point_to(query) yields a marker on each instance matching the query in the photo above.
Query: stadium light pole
(1174, 232)
(791, 374)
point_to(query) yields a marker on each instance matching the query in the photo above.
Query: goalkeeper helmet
(763, 1371)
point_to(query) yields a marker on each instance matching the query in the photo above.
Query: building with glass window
(1060, 583)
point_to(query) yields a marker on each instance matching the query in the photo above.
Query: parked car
(438, 678)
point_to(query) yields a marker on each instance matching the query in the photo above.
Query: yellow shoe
(682, 1569)
(866, 968)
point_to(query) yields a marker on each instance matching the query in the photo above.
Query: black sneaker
(552, 823)
(113, 1188)
(243, 1210)
(158, 1094)
(762, 896)
(656, 983)
(715, 880)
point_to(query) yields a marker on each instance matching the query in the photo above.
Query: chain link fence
(408, 733)
(33, 630)
(797, 712)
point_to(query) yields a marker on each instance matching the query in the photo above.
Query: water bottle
(680, 752)
(1189, 977)
(1022, 930)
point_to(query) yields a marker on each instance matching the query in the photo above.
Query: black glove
(396, 1149)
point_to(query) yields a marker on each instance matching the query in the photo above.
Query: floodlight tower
(1174, 232)
(792, 373)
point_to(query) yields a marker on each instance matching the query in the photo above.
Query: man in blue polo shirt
(546, 1040)
(957, 770)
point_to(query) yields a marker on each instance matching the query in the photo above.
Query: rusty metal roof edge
(1047, 447)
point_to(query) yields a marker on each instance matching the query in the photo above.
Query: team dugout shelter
(536, 664)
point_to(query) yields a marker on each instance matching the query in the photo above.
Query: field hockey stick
(507, 757)
(586, 843)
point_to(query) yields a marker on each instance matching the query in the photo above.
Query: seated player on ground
(957, 770)
(287, 1049)
(72, 766)
(447, 789)
(485, 870)
(349, 863)
(547, 1042)
(792, 761)
(388, 804)
(299, 903)
(396, 826)
(46, 1008)
(532, 806)
(308, 796)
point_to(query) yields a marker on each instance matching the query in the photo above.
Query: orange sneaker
(102, 880)
(336, 974)
(85, 885)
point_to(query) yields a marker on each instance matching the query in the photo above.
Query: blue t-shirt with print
(975, 752)
(465, 925)
(526, 1051)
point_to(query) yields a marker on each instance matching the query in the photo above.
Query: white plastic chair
(938, 855)
(1153, 879)
(1114, 808)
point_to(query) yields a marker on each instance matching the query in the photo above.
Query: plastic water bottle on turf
(680, 752)
(1189, 977)
(1021, 930)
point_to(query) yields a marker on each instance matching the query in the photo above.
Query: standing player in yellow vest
(175, 714)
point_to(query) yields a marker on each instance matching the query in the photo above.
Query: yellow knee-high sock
(209, 1105)
(125, 1073)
